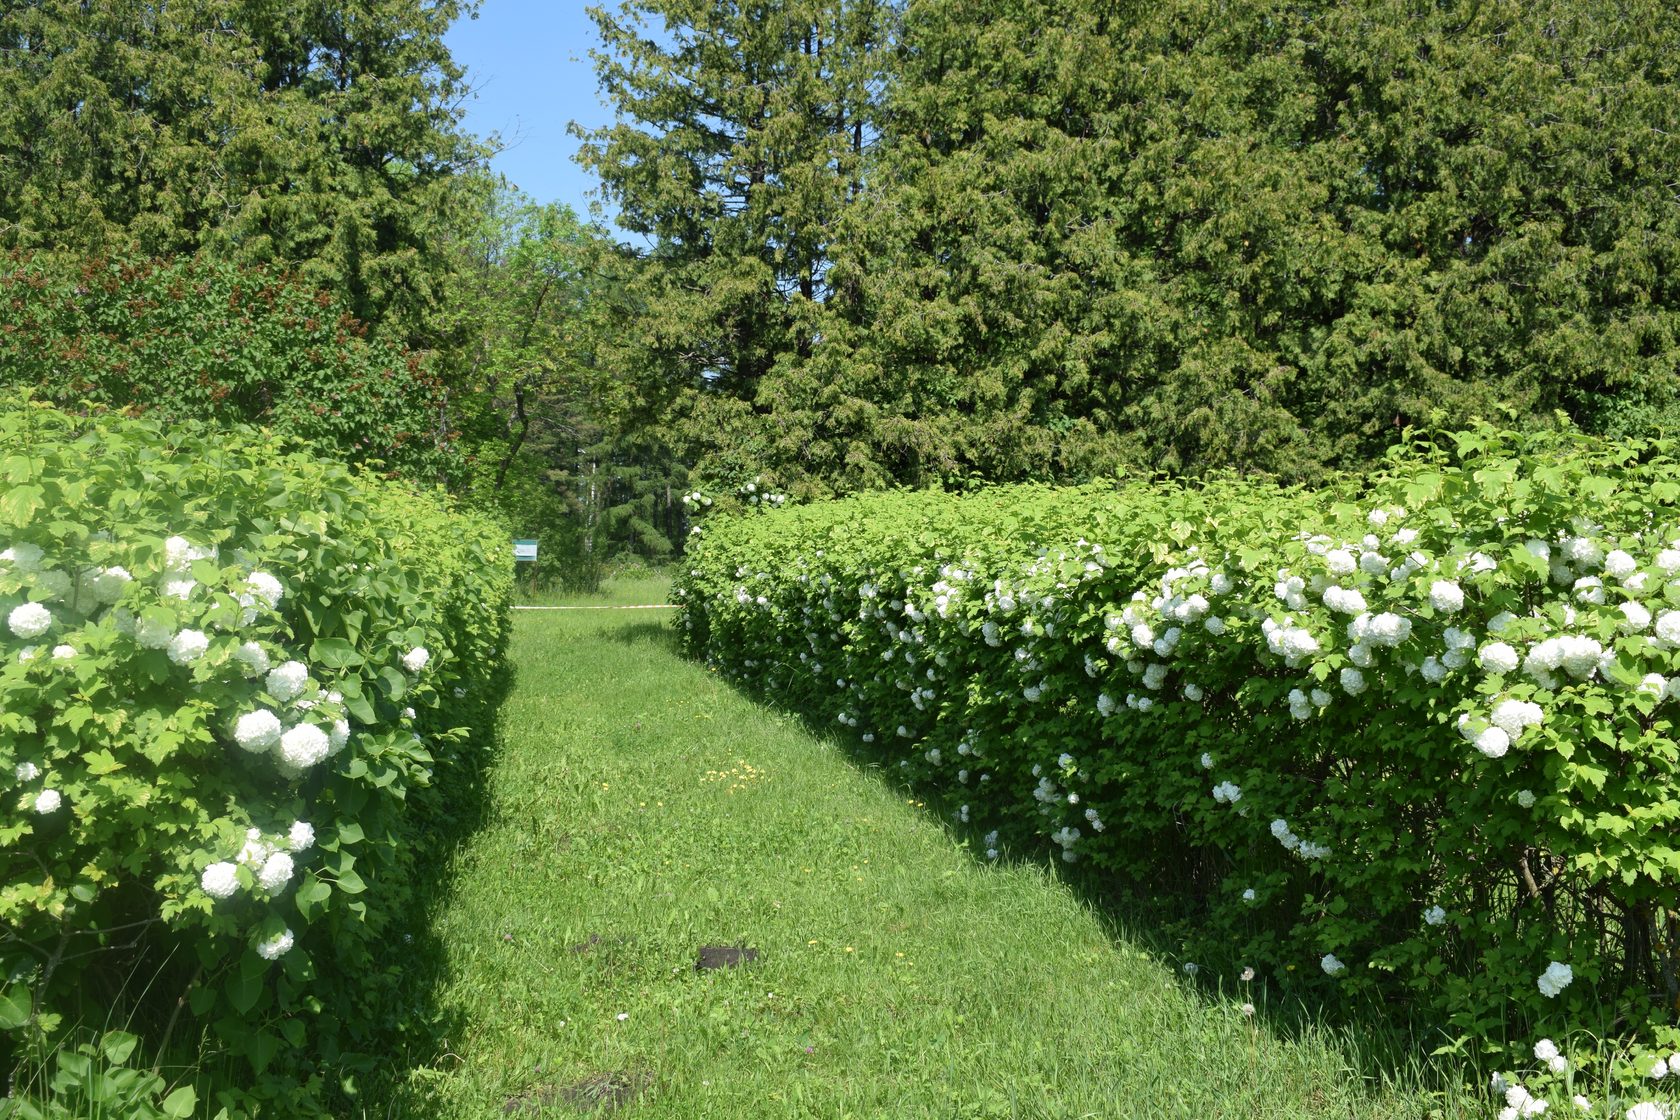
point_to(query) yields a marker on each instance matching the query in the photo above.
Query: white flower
(1555, 979)
(1493, 741)
(153, 633)
(1669, 561)
(1646, 1110)
(304, 745)
(27, 771)
(301, 836)
(1498, 657)
(188, 646)
(340, 734)
(1525, 798)
(1227, 793)
(415, 659)
(1545, 1050)
(276, 872)
(1581, 1102)
(1191, 968)
(1340, 562)
(266, 588)
(29, 620)
(47, 801)
(63, 653)
(286, 681)
(24, 557)
(1434, 916)
(108, 585)
(1344, 600)
(1668, 626)
(1332, 966)
(1446, 596)
(254, 657)
(1635, 617)
(1207, 761)
(219, 880)
(180, 588)
(1619, 565)
(1353, 681)
(275, 947)
(1659, 1070)
(1388, 629)
(1248, 895)
(257, 731)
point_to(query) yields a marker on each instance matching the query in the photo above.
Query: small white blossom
(275, 947)
(276, 872)
(29, 620)
(1434, 916)
(415, 659)
(304, 746)
(286, 681)
(220, 880)
(1332, 966)
(1446, 596)
(48, 801)
(188, 646)
(301, 836)
(1555, 979)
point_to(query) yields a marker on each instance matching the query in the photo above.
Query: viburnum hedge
(1413, 738)
(242, 691)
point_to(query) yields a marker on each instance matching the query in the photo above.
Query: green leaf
(335, 653)
(19, 504)
(181, 1103)
(118, 1045)
(16, 1005)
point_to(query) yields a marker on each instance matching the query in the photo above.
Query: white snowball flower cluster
(1576, 654)
(1227, 793)
(25, 557)
(1491, 740)
(304, 745)
(253, 657)
(1332, 966)
(27, 771)
(108, 584)
(301, 836)
(1434, 916)
(1344, 600)
(415, 659)
(1290, 642)
(1647, 1110)
(1555, 979)
(1520, 1103)
(1498, 658)
(284, 682)
(29, 620)
(1515, 716)
(48, 801)
(257, 731)
(188, 646)
(1306, 849)
(276, 872)
(220, 880)
(277, 946)
(266, 588)
(1446, 596)
(1546, 1051)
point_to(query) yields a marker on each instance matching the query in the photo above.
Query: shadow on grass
(1386, 1050)
(660, 634)
(415, 1030)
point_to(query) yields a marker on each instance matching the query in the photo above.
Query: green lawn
(642, 809)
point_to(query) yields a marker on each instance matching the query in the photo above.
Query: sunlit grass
(642, 810)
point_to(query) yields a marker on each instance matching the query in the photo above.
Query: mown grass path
(642, 809)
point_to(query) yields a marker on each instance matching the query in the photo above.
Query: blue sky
(529, 61)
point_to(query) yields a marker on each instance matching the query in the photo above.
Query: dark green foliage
(201, 339)
(1189, 235)
(320, 136)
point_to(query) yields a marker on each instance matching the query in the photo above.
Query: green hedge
(242, 693)
(1411, 740)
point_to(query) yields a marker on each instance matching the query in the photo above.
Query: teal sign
(524, 550)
